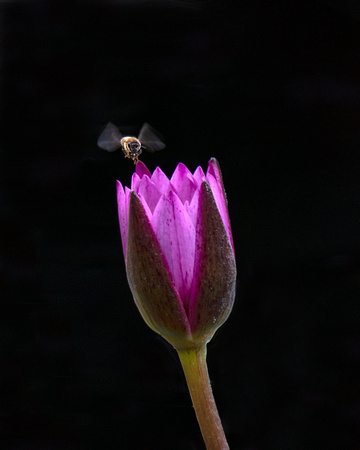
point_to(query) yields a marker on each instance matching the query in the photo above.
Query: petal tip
(119, 188)
(141, 169)
(214, 166)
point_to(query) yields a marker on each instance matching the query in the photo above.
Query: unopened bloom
(179, 252)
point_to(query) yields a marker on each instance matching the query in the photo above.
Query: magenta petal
(146, 206)
(123, 212)
(161, 181)
(150, 192)
(183, 182)
(135, 182)
(176, 236)
(192, 207)
(199, 176)
(142, 170)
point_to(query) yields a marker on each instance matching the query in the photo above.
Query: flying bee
(149, 139)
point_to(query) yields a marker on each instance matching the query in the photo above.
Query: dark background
(271, 89)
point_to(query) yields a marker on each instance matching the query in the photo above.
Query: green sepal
(215, 277)
(154, 293)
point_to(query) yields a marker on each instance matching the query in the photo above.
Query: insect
(149, 139)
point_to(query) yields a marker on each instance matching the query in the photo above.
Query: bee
(149, 139)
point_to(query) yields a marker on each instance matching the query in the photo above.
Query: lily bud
(179, 252)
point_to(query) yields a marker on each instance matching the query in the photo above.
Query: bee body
(131, 147)
(149, 139)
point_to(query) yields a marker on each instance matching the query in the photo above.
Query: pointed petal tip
(181, 166)
(142, 170)
(120, 193)
(180, 171)
(214, 166)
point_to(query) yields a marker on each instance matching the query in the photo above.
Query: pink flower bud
(179, 251)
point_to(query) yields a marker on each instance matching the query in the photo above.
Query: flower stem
(194, 365)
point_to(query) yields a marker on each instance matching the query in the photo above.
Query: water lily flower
(180, 262)
(179, 251)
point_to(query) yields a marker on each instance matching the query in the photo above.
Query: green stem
(194, 365)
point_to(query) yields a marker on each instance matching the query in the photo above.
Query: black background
(272, 90)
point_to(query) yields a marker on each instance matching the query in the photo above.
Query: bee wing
(110, 138)
(152, 140)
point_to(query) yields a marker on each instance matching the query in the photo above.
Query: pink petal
(160, 180)
(192, 207)
(149, 192)
(199, 176)
(142, 170)
(145, 206)
(123, 211)
(176, 235)
(135, 182)
(183, 182)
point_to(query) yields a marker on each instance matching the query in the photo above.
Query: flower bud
(179, 251)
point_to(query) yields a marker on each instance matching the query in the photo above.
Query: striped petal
(176, 235)
(183, 182)
(123, 212)
(149, 192)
